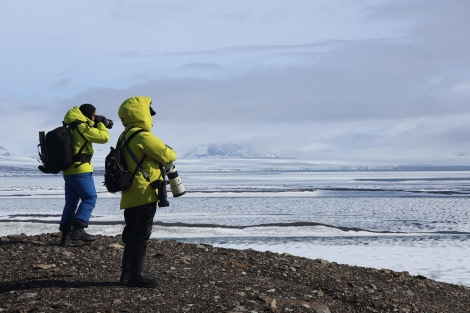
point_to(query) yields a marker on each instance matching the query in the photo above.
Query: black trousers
(136, 233)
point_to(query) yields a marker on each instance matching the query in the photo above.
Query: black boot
(66, 238)
(124, 280)
(136, 276)
(125, 266)
(78, 233)
(142, 280)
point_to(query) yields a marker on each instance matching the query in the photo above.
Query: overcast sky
(337, 80)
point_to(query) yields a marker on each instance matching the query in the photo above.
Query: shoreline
(37, 273)
(373, 255)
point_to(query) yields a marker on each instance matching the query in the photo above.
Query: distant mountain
(6, 155)
(9, 159)
(12, 162)
(230, 150)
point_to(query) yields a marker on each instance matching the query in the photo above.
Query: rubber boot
(79, 233)
(125, 266)
(137, 278)
(66, 238)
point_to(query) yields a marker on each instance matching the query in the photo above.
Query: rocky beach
(38, 275)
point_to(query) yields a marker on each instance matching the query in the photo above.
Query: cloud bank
(361, 81)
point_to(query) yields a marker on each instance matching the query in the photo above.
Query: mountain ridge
(11, 156)
(225, 151)
(10, 161)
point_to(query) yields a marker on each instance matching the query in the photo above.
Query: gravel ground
(38, 275)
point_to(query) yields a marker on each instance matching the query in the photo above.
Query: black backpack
(55, 149)
(116, 175)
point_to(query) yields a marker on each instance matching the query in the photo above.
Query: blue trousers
(78, 187)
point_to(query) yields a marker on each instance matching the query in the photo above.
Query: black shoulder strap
(138, 163)
(73, 126)
(79, 156)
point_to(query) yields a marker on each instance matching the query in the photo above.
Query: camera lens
(162, 196)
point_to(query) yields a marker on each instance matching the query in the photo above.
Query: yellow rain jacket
(84, 134)
(134, 114)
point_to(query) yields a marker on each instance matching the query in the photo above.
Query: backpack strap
(126, 145)
(79, 156)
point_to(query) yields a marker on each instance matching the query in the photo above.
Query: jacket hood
(75, 115)
(135, 111)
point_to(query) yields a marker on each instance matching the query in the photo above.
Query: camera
(160, 185)
(176, 185)
(107, 122)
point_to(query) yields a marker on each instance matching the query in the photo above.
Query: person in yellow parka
(139, 201)
(79, 182)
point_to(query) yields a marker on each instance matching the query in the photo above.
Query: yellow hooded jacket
(135, 112)
(89, 134)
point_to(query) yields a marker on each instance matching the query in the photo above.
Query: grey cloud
(395, 88)
(368, 80)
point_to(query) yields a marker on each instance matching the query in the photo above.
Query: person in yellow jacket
(139, 201)
(79, 182)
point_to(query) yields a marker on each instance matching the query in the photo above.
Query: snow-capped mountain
(12, 162)
(221, 151)
(6, 155)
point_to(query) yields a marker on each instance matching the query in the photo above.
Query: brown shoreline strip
(38, 275)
